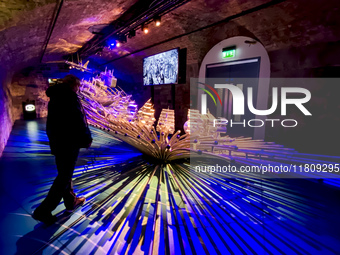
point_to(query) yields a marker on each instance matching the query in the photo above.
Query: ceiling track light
(129, 26)
(131, 33)
(157, 20)
(122, 39)
(111, 43)
(145, 29)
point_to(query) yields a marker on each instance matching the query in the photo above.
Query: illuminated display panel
(161, 68)
(29, 107)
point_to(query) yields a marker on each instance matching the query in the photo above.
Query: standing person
(67, 131)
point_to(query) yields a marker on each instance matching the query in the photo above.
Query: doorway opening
(243, 74)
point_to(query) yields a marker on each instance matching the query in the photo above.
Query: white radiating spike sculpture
(146, 115)
(166, 121)
(112, 110)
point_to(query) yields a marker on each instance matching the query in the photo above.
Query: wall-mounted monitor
(161, 68)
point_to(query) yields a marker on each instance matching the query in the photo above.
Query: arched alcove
(247, 50)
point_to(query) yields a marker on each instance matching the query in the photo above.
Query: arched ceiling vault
(24, 26)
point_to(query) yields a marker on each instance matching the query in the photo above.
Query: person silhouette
(67, 131)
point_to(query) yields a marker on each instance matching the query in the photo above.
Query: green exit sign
(229, 52)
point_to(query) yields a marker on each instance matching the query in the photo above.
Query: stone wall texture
(6, 119)
(317, 133)
(31, 87)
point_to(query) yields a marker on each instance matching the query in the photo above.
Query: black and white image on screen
(161, 68)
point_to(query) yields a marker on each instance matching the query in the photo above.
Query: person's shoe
(78, 202)
(47, 219)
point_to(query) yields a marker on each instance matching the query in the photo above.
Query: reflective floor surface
(136, 206)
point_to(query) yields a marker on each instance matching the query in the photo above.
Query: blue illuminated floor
(136, 207)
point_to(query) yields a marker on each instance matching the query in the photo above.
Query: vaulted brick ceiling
(293, 23)
(24, 25)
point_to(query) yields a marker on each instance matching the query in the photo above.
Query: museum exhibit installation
(112, 110)
(215, 126)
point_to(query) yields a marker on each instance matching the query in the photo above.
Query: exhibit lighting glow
(118, 44)
(157, 20)
(29, 108)
(111, 43)
(145, 29)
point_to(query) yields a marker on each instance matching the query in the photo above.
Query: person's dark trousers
(62, 186)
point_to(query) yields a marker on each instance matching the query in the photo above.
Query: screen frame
(178, 63)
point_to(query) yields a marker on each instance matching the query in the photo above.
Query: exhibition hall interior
(214, 123)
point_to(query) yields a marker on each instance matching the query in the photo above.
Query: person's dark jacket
(66, 125)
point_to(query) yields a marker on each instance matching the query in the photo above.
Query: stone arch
(244, 51)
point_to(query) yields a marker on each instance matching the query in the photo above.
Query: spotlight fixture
(122, 39)
(111, 43)
(145, 29)
(157, 20)
(132, 33)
